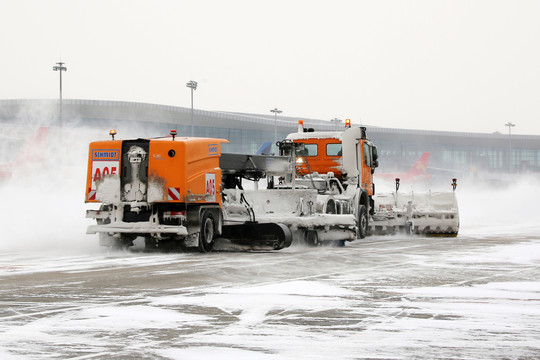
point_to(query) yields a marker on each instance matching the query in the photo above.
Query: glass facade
(459, 152)
(398, 148)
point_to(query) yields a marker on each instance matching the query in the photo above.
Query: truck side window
(367, 155)
(333, 149)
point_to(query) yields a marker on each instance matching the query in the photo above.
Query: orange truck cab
(347, 155)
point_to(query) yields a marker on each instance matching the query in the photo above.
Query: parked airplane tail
(420, 166)
(265, 149)
(417, 172)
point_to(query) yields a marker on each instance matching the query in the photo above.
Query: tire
(150, 243)
(362, 221)
(106, 240)
(206, 235)
(124, 242)
(330, 207)
(409, 228)
(311, 238)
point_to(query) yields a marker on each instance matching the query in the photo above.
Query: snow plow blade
(259, 235)
(431, 214)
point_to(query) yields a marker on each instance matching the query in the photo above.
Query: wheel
(122, 242)
(311, 238)
(330, 207)
(125, 241)
(106, 240)
(362, 221)
(206, 236)
(409, 228)
(150, 243)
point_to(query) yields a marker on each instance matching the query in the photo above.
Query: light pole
(275, 111)
(193, 86)
(510, 126)
(336, 122)
(60, 67)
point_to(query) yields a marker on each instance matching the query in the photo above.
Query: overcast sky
(429, 64)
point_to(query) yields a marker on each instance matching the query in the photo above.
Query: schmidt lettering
(105, 154)
(213, 149)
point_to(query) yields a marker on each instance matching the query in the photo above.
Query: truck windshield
(309, 150)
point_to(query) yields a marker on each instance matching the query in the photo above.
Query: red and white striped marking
(210, 187)
(92, 195)
(174, 193)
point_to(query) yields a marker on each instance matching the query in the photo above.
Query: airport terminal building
(464, 153)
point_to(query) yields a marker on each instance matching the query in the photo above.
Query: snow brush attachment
(259, 236)
(432, 213)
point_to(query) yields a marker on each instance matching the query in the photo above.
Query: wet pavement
(476, 296)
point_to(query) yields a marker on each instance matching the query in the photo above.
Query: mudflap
(266, 235)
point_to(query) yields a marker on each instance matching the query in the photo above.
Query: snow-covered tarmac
(476, 296)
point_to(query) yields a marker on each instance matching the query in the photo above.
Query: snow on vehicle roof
(316, 135)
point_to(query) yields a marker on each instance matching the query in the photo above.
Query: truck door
(367, 166)
(359, 162)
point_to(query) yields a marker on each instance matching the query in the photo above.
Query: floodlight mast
(510, 126)
(193, 86)
(275, 111)
(60, 68)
